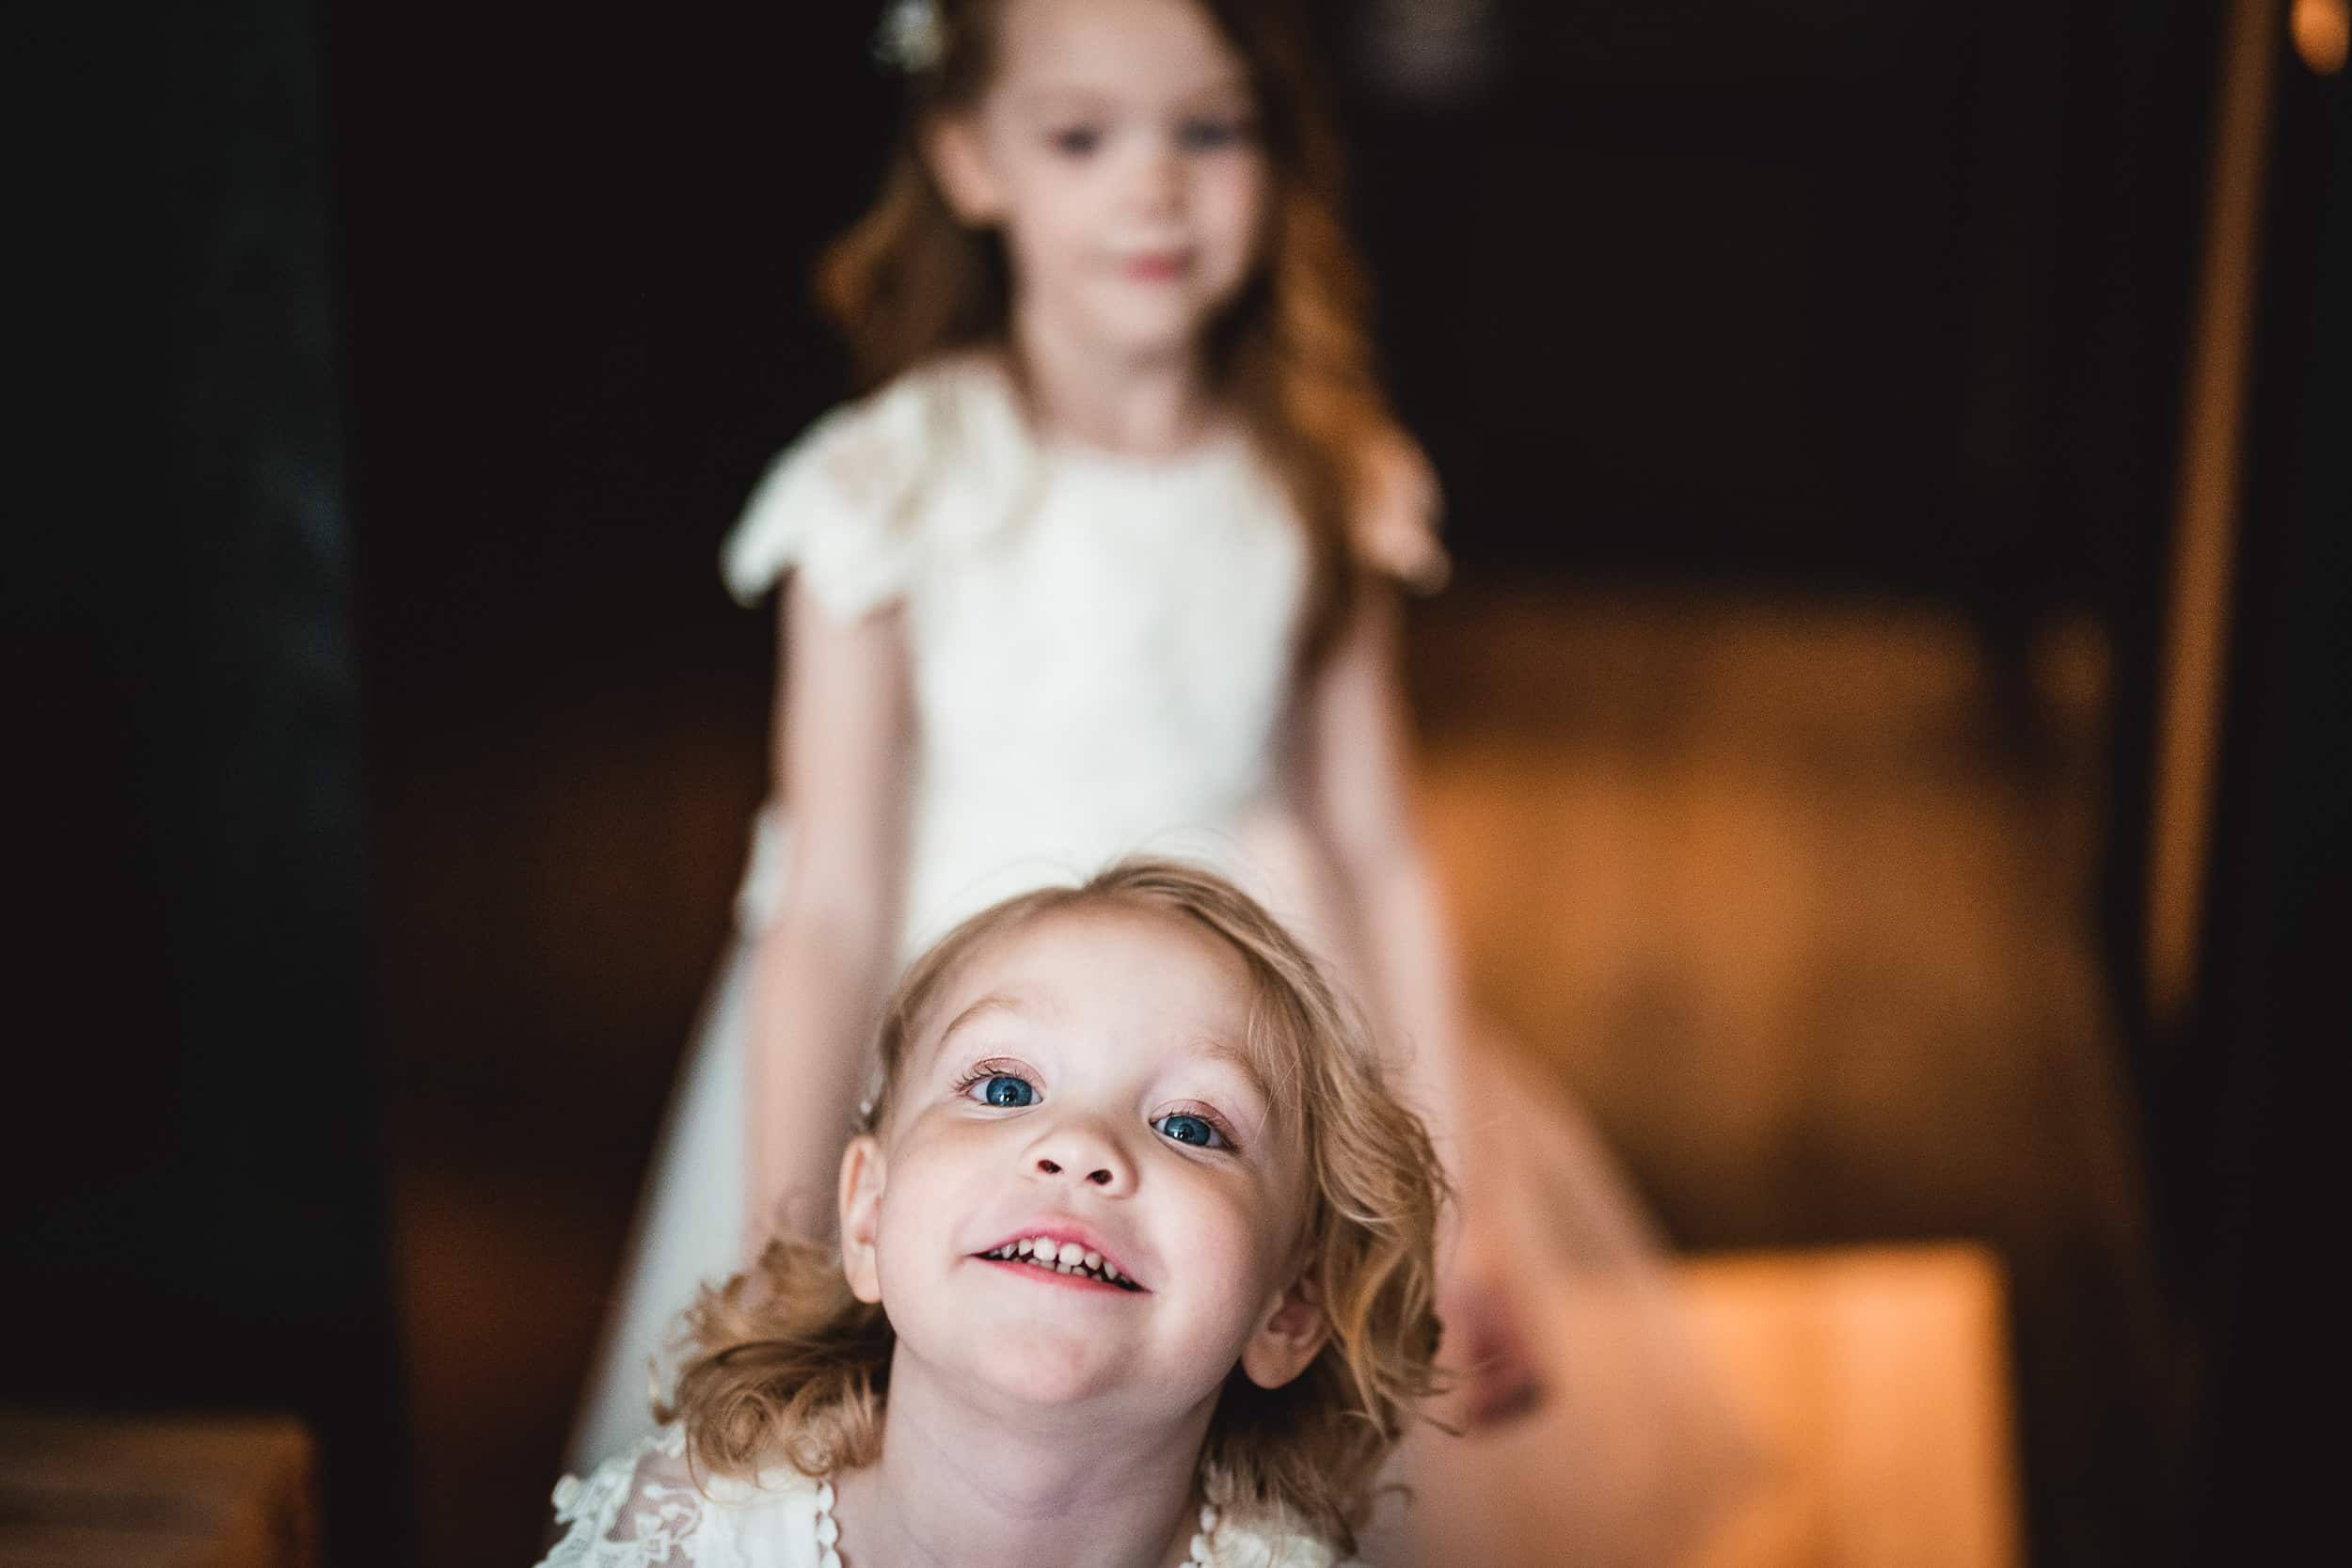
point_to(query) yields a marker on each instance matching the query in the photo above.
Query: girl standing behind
(1105, 560)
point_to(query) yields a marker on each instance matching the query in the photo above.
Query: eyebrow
(1234, 82)
(994, 1001)
(1217, 1048)
(1066, 96)
(1054, 97)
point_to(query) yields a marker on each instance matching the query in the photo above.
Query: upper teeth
(1061, 1256)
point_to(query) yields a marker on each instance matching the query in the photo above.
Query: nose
(1159, 184)
(1081, 1150)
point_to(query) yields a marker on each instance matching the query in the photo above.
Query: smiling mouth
(1159, 267)
(1063, 1258)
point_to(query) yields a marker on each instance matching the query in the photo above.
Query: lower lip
(1158, 269)
(1050, 1276)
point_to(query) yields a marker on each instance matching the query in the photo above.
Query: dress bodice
(647, 1508)
(1101, 647)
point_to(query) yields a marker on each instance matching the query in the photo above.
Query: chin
(1150, 329)
(1048, 1370)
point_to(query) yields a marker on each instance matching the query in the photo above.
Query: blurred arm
(1359, 805)
(843, 738)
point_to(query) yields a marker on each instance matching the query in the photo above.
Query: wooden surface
(1877, 1380)
(1802, 910)
(167, 1492)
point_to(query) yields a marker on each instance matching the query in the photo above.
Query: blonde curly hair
(783, 1360)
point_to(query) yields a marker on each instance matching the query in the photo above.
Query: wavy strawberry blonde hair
(911, 282)
(783, 1360)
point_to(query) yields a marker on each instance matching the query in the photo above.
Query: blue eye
(1077, 141)
(1210, 136)
(1197, 1131)
(1004, 1089)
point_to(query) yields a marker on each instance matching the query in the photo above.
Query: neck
(969, 1481)
(1146, 403)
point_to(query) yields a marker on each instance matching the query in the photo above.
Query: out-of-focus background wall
(1807, 379)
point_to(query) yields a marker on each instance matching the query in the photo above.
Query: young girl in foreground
(1136, 1271)
(1108, 558)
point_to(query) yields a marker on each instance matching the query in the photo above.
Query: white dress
(643, 1510)
(1103, 652)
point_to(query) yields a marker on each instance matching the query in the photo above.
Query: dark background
(398, 368)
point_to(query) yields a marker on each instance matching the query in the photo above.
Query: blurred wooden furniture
(155, 1491)
(1877, 1378)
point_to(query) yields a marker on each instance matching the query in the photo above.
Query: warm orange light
(2323, 33)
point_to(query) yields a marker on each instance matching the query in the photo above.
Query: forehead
(1115, 49)
(1131, 975)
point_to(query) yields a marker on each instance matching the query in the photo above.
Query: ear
(864, 1174)
(1288, 1335)
(961, 166)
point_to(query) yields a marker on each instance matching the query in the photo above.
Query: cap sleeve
(641, 1510)
(1395, 533)
(839, 506)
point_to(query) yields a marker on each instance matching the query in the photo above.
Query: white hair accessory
(866, 1106)
(913, 35)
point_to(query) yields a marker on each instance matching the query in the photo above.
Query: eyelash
(1194, 135)
(1217, 1124)
(1212, 135)
(980, 1072)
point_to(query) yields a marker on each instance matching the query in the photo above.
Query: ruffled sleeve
(1396, 529)
(1269, 1545)
(641, 1510)
(841, 506)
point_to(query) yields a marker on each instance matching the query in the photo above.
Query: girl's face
(1081, 1088)
(1117, 151)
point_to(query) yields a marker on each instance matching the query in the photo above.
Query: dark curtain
(2241, 1166)
(198, 1219)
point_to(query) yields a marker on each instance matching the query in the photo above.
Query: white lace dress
(1103, 654)
(643, 1510)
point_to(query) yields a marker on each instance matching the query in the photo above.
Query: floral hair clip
(913, 37)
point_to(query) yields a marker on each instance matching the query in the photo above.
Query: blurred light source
(1431, 50)
(2323, 33)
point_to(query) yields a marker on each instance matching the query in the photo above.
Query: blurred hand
(1486, 1341)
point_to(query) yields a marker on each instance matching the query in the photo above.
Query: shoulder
(850, 502)
(874, 450)
(1268, 1544)
(647, 1506)
(1393, 530)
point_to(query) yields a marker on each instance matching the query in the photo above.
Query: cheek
(917, 1206)
(1231, 202)
(1054, 219)
(1226, 1227)
(916, 1233)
